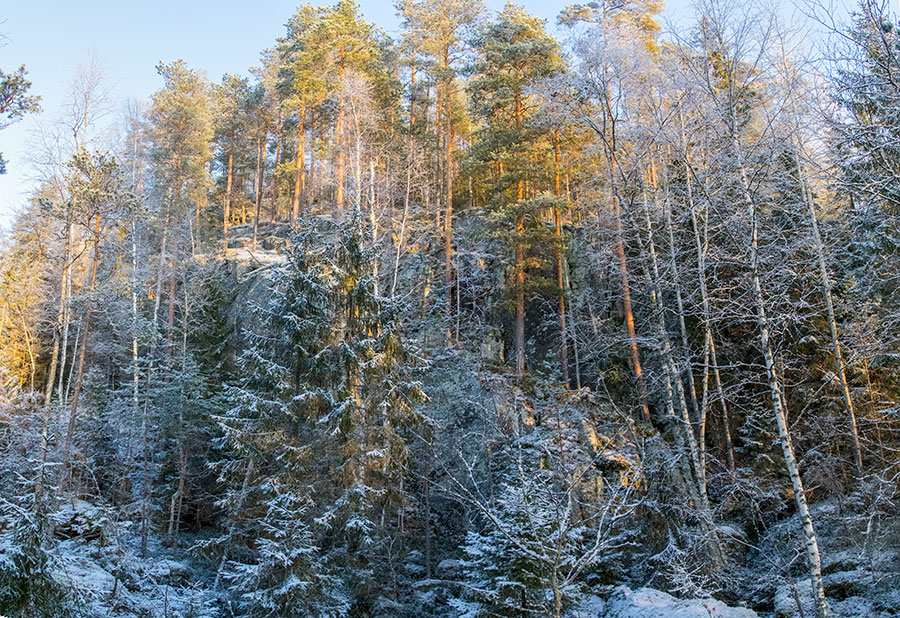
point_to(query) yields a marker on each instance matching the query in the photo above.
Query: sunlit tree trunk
(301, 168)
(520, 262)
(627, 310)
(373, 222)
(274, 213)
(54, 365)
(409, 164)
(560, 275)
(312, 191)
(135, 325)
(226, 217)
(448, 195)
(339, 142)
(60, 316)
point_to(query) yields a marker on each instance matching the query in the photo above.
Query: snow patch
(650, 603)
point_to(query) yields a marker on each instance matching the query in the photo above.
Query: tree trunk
(671, 369)
(170, 320)
(427, 489)
(448, 197)
(520, 262)
(698, 434)
(30, 348)
(54, 365)
(373, 222)
(629, 314)
(60, 317)
(259, 181)
(245, 485)
(226, 217)
(702, 248)
(64, 347)
(339, 139)
(312, 195)
(299, 177)
(275, 168)
(145, 421)
(832, 322)
(70, 430)
(135, 379)
(406, 196)
(520, 294)
(812, 545)
(729, 444)
(560, 283)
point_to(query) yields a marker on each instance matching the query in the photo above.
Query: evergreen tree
(180, 133)
(319, 418)
(27, 584)
(514, 53)
(232, 122)
(15, 101)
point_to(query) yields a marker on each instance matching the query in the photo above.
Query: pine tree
(436, 33)
(232, 122)
(15, 101)
(180, 132)
(514, 53)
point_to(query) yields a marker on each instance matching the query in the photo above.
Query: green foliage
(27, 585)
(181, 131)
(15, 101)
(316, 431)
(514, 54)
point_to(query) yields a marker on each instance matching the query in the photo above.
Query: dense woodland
(487, 318)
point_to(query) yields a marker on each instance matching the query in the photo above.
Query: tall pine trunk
(299, 177)
(274, 213)
(520, 260)
(226, 216)
(448, 198)
(629, 313)
(260, 145)
(560, 274)
(339, 188)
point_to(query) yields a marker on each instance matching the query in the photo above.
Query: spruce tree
(317, 427)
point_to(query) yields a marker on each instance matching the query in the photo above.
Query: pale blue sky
(52, 38)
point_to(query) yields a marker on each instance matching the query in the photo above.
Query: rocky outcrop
(650, 603)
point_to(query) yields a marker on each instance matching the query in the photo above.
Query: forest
(490, 317)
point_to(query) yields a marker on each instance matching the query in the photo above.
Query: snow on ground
(650, 603)
(114, 581)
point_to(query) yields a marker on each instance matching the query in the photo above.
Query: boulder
(794, 600)
(650, 603)
(846, 591)
(590, 606)
(81, 519)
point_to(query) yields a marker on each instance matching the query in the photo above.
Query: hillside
(484, 318)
